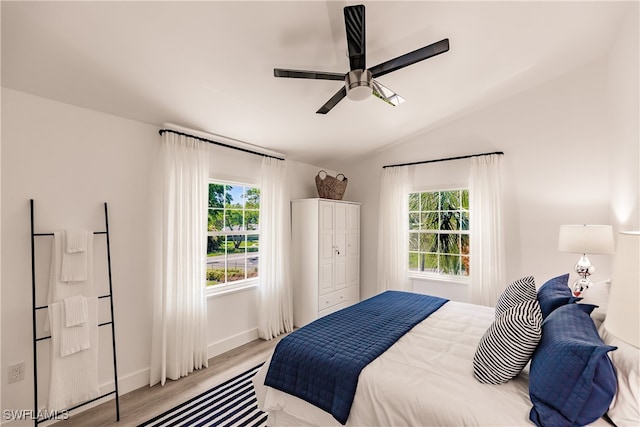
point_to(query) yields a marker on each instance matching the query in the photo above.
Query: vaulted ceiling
(209, 66)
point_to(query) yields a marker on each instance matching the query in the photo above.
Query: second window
(439, 232)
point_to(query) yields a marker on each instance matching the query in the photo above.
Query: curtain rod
(443, 160)
(222, 144)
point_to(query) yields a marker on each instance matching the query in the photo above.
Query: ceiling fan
(359, 83)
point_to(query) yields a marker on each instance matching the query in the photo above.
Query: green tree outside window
(232, 233)
(439, 232)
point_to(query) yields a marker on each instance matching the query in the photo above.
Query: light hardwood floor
(146, 402)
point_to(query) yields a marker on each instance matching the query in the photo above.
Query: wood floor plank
(147, 402)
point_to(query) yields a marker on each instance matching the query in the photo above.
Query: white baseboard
(129, 382)
(222, 346)
(136, 380)
(139, 379)
(126, 384)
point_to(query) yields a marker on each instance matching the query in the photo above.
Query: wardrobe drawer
(334, 298)
(333, 309)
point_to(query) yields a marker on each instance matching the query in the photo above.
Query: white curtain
(486, 230)
(393, 229)
(179, 342)
(275, 307)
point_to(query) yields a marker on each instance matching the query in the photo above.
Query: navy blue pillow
(554, 293)
(571, 379)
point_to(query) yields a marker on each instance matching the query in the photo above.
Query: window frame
(428, 275)
(238, 285)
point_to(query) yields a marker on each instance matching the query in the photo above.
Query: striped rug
(232, 403)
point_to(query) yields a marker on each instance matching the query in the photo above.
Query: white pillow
(597, 294)
(625, 407)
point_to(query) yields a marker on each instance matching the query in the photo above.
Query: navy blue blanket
(321, 362)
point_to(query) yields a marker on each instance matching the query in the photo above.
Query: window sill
(454, 280)
(220, 290)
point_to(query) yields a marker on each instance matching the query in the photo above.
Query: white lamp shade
(586, 239)
(623, 319)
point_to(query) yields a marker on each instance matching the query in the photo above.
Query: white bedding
(424, 379)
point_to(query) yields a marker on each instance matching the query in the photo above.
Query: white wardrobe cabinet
(326, 257)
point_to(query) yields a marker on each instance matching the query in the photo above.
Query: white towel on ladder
(75, 328)
(75, 311)
(59, 290)
(76, 241)
(74, 378)
(75, 255)
(74, 339)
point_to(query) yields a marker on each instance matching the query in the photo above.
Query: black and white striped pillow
(517, 292)
(508, 344)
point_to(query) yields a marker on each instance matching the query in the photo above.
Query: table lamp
(585, 239)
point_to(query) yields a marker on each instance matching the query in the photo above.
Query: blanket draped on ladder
(72, 320)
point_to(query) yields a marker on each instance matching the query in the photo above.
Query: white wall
(70, 160)
(557, 146)
(624, 113)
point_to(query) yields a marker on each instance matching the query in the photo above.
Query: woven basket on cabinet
(330, 187)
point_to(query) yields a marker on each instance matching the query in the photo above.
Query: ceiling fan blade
(354, 25)
(333, 101)
(301, 74)
(410, 58)
(386, 94)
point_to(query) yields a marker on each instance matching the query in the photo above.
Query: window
(232, 234)
(439, 233)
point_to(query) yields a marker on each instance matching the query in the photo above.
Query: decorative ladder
(37, 418)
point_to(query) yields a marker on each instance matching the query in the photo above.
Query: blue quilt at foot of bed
(321, 361)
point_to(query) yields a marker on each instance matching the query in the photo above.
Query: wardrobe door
(326, 261)
(353, 245)
(340, 245)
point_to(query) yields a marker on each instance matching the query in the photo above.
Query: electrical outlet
(16, 372)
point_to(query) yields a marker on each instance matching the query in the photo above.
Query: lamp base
(581, 285)
(584, 268)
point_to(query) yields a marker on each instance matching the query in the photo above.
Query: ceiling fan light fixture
(359, 84)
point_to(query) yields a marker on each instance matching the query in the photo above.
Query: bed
(425, 378)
